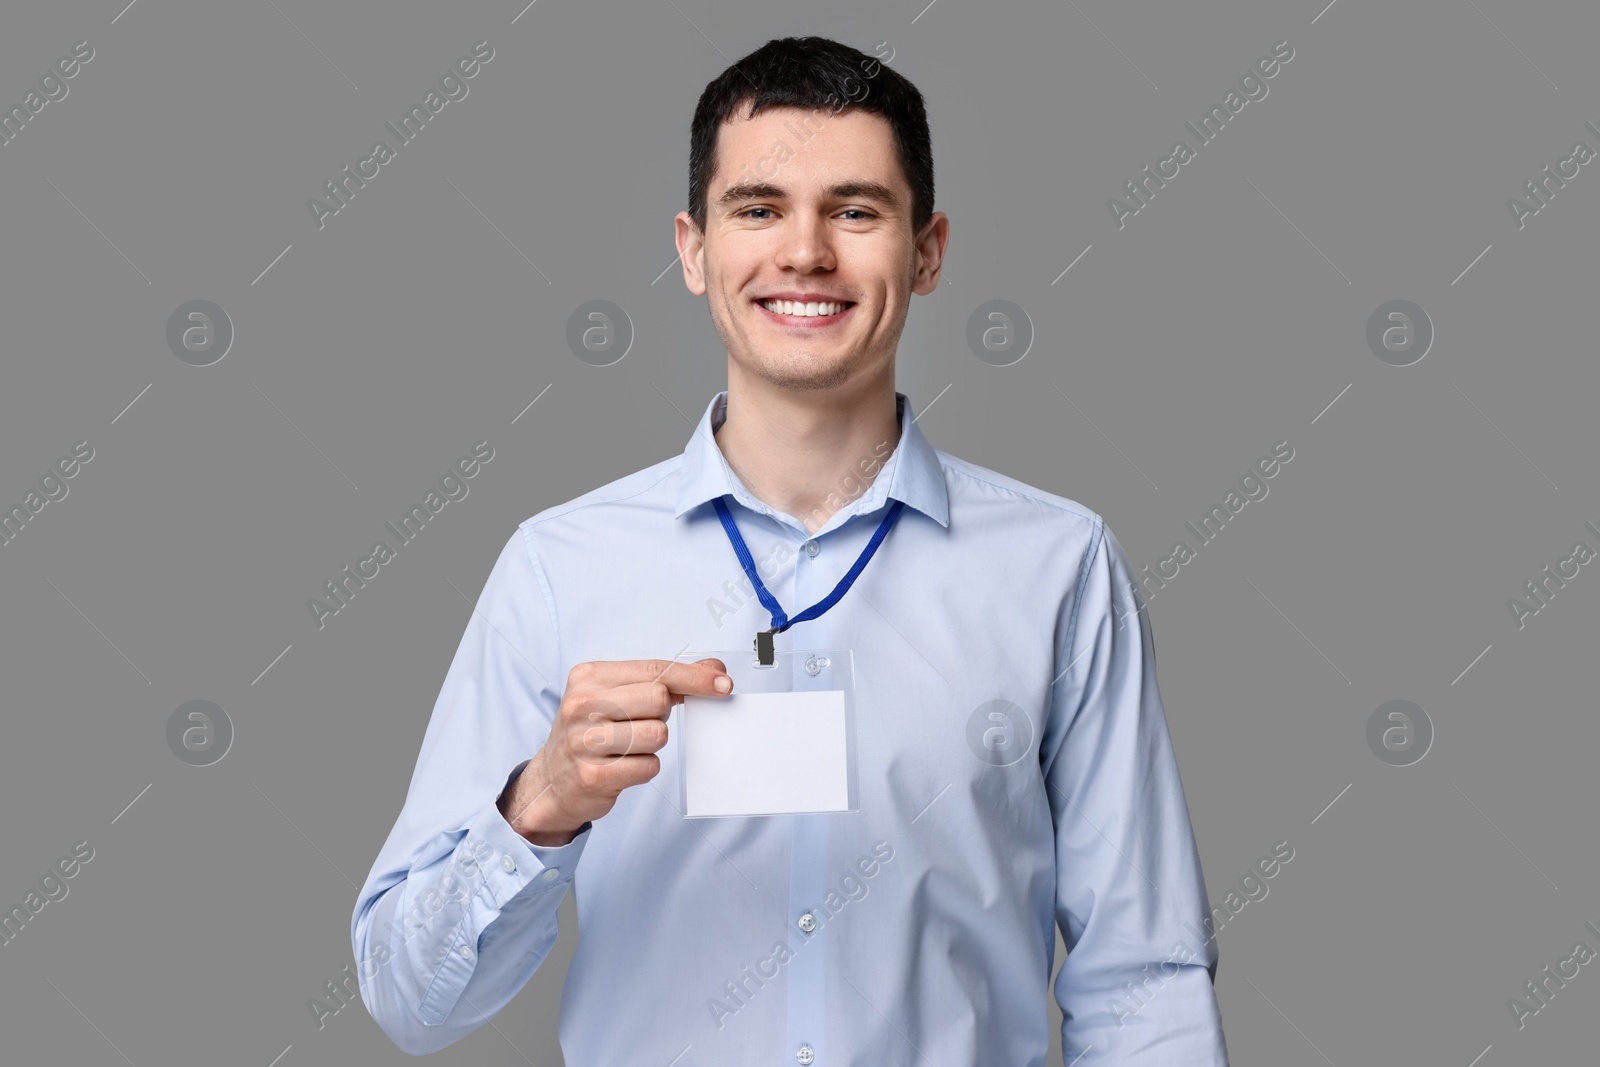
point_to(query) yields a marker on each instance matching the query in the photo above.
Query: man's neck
(808, 454)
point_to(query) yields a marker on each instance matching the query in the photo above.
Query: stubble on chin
(797, 372)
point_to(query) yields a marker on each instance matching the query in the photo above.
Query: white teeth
(810, 309)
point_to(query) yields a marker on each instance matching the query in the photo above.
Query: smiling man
(1015, 771)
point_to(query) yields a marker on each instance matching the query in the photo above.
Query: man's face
(810, 207)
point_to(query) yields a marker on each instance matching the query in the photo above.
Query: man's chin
(800, 374)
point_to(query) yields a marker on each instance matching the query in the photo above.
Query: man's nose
(806, 244)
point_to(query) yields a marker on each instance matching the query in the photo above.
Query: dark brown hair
(813, 73)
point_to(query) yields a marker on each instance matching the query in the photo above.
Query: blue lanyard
(780, 621)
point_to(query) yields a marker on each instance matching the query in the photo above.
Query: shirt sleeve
(459, 909)
(1137, 987)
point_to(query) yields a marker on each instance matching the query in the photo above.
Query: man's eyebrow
(851, 190)
(750, 191)
(865, 190)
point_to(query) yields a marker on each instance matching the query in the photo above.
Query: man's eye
(861, 213)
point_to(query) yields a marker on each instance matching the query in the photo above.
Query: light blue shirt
(1014, 772)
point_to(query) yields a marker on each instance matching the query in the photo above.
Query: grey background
(1228, 315)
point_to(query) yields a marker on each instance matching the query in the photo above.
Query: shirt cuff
(520, 859)
(512, 869)
(515, 861)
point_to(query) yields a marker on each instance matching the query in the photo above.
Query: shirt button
(466, 953)
(804, 1054)
(812, 548)
(508, 864)
(808, 922)
(551, 874)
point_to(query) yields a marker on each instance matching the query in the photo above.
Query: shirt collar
(912, 473)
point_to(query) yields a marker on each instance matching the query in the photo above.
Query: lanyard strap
(780, 621)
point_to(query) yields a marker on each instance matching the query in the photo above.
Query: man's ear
(691, 249)
(930, 253)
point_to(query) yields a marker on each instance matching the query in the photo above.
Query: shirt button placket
(810, 852)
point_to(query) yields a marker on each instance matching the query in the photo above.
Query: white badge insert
(782, 743)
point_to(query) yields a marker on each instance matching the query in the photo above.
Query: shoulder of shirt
(1052, 504)
(620, 491)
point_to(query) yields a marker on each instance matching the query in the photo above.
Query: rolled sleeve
(1137, 987)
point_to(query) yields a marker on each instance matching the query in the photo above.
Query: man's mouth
(812, 314)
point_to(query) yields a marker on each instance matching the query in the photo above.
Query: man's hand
(611, 723)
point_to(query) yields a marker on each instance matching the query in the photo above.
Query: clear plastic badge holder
(782, 743)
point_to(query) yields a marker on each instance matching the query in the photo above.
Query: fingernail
(723, 683)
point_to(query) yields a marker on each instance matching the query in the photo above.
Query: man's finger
(683, 679)
(606, 740)
(639, 700)
(634, 770)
